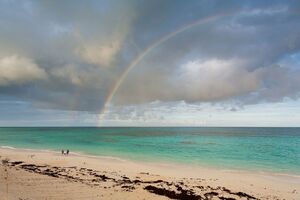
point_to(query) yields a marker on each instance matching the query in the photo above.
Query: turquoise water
(263, 149)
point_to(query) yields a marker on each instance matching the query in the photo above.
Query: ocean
(260, 149)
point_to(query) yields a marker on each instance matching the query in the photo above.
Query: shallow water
(263, 149)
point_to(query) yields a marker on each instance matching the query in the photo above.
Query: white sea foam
(98, 156)
(7, 147)
(82, 154)
(27, 149)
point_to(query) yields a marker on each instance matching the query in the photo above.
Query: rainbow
(140, 57)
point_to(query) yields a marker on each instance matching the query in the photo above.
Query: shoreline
(158, 176)
(272, 173)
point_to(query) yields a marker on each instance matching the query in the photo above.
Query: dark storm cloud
(68, 55)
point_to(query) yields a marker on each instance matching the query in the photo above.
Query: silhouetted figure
(68, 151)
(62, 152)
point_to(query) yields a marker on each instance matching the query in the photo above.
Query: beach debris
(5, 161)
(184, 194)
(179, 189)
(16, 163)
(240, 194)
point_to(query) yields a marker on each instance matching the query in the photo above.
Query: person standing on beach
(67, 151)
(62, 152)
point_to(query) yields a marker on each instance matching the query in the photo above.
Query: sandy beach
(28, 174)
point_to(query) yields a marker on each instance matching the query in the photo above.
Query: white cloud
(99, 54)
(216, 79)
(77, 76)
(18, 70)
(68, 73)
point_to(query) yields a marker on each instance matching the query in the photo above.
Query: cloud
(71, 55)
(16, 70)
(236, 58)
(216, 79)
(100, 54)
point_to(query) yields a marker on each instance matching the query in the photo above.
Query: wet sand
(27, 174)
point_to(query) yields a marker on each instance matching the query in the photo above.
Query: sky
(149, 63)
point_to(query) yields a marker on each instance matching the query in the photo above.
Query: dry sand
(27, 174)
